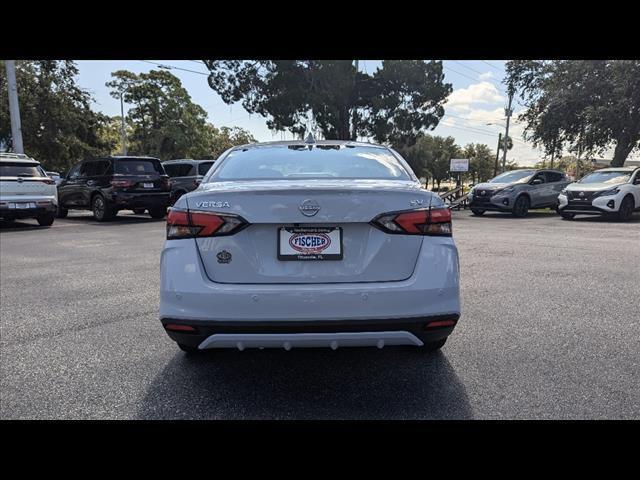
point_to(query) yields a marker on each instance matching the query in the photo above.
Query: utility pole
(508, 113)
(122, 130)
(14, 107)
(354, 116)
(495, 167)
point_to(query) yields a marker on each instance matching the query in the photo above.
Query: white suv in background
(25, 190)
(609, 191)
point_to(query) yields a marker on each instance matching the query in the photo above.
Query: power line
(498, 87)
(491, 65)
(173, 67)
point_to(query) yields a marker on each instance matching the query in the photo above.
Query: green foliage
(587, 105)
(165, 122)
(396, 104)
(481, 162)
(430, 157)
(58, 125)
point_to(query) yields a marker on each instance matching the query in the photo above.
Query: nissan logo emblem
(309, 208)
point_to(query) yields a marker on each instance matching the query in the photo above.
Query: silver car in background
(517, 191)
(186, 175)
(309, 244)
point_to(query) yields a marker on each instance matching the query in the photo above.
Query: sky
(474, 112)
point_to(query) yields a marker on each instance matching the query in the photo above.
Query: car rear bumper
(188, 297)
(39, 207)
(309, 334)
(140, 200)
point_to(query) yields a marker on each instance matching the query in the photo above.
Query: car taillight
(198, 224)
(426, 221)
(121, 183)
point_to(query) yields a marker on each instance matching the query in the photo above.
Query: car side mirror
(536, 181)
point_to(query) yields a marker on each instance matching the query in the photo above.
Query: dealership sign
(459, 165)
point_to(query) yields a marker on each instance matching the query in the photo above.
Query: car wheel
(158, 212)
(188, 348)
(62, 212)
(626, 209)
(139, 211)
(429, 347)
(477, 212)
(46, 220)
(521, 207)
(101, 209)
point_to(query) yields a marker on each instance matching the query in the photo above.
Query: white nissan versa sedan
(309, 244)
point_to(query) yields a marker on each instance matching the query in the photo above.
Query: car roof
(186, 160)
(630, 168)
(17, 157)
(287, 143)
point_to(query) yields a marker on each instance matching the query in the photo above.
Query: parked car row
(104, 185)
(609, 191)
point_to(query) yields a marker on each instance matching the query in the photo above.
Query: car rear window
(204, 167)
(18, 169)
(311, 161)
(178, 169)
(138, 166)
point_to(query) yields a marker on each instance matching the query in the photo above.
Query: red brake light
(192, 224)
(121, 183)
(428, 221)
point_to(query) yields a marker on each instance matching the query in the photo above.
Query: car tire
(158, 212)
(46, 220)
(139, 211)
(567, 216)
(430, 347)
(477, 212)
(102, 212)
(625, 212)
(521, 207)
(188, 349)
(62, 212)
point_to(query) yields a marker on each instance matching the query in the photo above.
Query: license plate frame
(147, 185)
(311, 254)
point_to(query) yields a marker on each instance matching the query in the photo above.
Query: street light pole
(122, 130)
(14, 107)
(508, 112)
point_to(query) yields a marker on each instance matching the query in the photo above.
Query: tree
(223, 138)
(481, 161)
(58, 126)
(165, 122)
(396, 104)
(430, 156)
(588, 105)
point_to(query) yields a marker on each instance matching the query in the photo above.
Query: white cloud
(486, 76)
(477, 93)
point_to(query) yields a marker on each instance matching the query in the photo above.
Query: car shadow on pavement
(355, 383)
(120, 219)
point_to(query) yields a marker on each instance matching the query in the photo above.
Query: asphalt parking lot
(550, 330)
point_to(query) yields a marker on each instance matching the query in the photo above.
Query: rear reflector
(425, 221)
(174, 327)
(440, 323)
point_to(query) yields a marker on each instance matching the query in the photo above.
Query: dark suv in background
(185, 175)
(109, 184)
